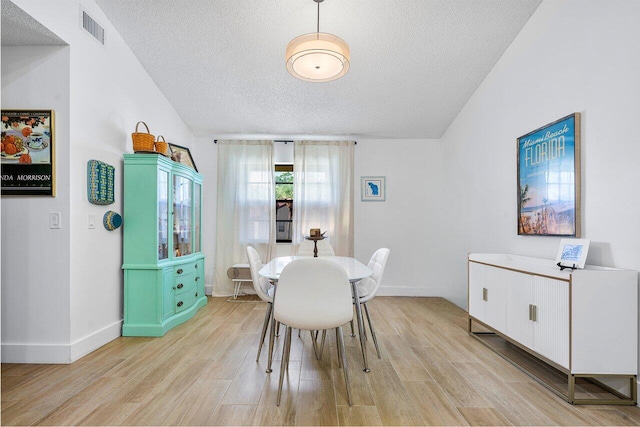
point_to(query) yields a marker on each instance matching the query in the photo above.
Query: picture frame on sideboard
(572, 253)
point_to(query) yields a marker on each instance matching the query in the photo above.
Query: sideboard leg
(572, 388)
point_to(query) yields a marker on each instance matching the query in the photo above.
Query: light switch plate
(54, 220)
(91, 221)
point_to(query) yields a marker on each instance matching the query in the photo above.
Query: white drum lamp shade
(317, 57)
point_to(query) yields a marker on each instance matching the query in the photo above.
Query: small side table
(315, 243)
(239, 273)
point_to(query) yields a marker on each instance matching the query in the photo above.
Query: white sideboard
(582, 322)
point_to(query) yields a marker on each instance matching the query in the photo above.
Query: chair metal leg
(267, 317)
(344, 362)
(353, 334)
(363, 344)
(364, 327)
(272, 338)
(278, 329)
(314, 343)
(339, 351)
(324, 335)
(284, 364)
(373, 332)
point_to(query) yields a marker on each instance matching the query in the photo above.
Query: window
(323, 188)
(284, 202)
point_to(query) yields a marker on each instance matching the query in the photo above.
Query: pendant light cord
(318, 27)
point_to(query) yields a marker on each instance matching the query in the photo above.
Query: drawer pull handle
(180, 286)
(196, 265)
(485, 294)
(197, 277)
(180, 304)
(179, 271)
(196, 294)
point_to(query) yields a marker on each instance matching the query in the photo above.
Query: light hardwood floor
(204, 373)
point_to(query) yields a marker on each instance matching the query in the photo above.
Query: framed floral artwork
(28, 153)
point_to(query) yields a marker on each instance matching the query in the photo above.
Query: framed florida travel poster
(28, 152)
(549, 179)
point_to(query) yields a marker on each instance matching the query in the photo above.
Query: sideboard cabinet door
(487, 295)
(551, 319)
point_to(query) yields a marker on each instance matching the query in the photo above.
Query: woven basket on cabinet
(162, 147)
(142, 141)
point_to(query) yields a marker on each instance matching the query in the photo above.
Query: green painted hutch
(163, 261)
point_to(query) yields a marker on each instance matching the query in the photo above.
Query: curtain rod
(215, 141)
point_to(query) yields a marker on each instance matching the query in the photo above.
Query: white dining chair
(368, 287)
(305, 248)
(263, 289)
(313, 294)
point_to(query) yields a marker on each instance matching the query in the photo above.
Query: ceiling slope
(414, 63)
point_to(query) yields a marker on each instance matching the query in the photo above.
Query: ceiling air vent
(92, 27)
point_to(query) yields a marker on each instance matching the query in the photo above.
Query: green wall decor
(111, 220)
(100, 182)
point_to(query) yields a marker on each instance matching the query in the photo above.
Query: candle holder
(315, 243)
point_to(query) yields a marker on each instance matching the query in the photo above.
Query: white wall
(572, 56)
(109, 92)
(410, 221)
(35, 259)
(205, 156)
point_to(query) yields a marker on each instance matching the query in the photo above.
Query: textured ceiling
(414, 63)
(20, 29)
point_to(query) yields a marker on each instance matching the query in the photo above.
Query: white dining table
(355, 272)
(355, 269)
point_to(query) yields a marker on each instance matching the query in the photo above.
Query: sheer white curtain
(246, 207)
(323, 192)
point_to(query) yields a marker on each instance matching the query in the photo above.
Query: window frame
(281, 167)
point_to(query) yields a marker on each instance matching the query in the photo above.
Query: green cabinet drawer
(184, 283)
(185, 300)
(187, 268)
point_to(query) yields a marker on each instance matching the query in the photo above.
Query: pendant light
(317, 57)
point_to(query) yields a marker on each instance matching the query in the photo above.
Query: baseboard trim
(60, 353)
(36, 353)
(94, 341)
(402, 291)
